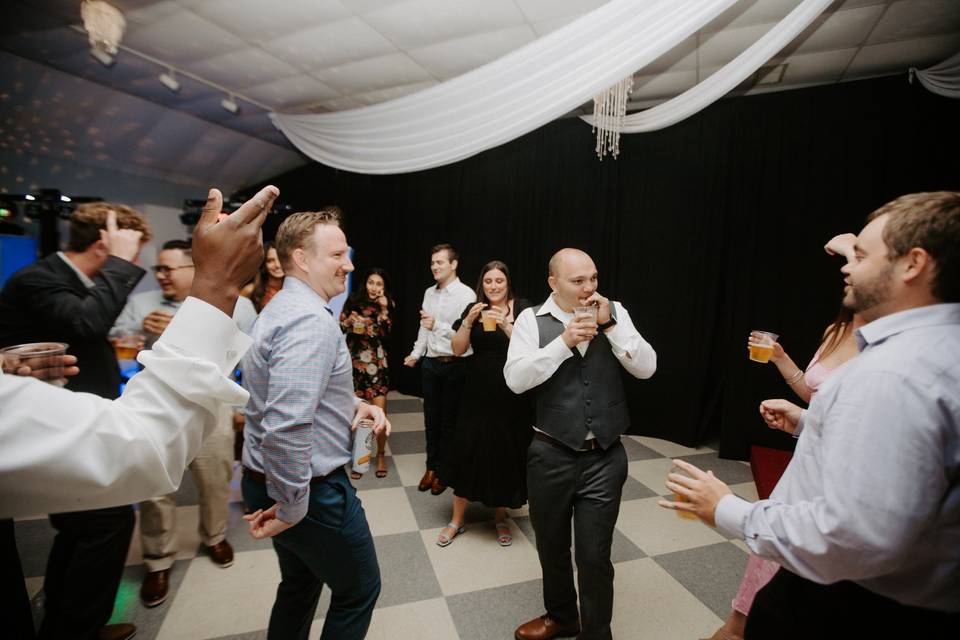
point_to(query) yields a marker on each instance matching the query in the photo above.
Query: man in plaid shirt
(297, 439)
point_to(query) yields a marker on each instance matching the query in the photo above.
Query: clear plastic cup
(762, 346)
(45, 360)
(686, 515)
(489, 320)
(127, 345)
(585, 312)
(359, 327)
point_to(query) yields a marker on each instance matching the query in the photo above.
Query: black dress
(488, 459)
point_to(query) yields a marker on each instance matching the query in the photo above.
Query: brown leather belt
(259, 478)
(587, 447)
(445, 359)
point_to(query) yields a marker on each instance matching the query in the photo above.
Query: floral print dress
(370, 372)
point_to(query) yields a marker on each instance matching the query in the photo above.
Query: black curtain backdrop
(705, 231)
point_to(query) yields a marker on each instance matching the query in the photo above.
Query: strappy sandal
(504, 539)
(355, 475)
(381, 473)
(444, 540)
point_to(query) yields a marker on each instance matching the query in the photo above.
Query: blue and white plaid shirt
(299, 375)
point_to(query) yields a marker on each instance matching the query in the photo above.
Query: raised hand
(426, 320)
(473, 314)
(121, 243)
(602, 304)
(757, 339)
(781, 414)
(228, 253)
(579, 330)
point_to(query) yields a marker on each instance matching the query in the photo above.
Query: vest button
(586, 383)
(589, 420)
(589, 401)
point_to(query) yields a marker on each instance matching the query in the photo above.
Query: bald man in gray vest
(576, 465)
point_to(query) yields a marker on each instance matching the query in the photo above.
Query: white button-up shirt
(446, 305)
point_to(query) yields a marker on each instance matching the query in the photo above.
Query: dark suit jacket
(47, 302)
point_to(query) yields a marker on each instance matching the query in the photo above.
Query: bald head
(568, 258)
(573, 277)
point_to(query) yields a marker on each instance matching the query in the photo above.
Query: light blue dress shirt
(872, 493)
(301, 408)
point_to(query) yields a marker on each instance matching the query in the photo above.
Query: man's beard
(872, 293)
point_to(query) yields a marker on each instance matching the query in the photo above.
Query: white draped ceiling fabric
(504, 99)
(728, 77)
(943, 78)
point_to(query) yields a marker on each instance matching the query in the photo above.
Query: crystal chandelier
(609, 108)
(104, 25)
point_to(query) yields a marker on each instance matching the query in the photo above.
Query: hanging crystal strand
(609, 109)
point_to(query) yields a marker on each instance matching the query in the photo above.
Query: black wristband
(606, 325)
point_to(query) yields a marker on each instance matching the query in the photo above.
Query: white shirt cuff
(219, 340)
(731, 515)
(799, 427)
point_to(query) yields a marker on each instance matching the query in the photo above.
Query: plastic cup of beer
(761, 345)
(489, 320)
(359, 327)
(45, 360)
(590, 313)
(126, 346)
(685, 515)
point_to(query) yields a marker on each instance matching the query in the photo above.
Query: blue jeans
(332, 545)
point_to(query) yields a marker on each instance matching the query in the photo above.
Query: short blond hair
(89, 218)
(296, 232)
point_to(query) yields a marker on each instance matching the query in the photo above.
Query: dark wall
(704, 230)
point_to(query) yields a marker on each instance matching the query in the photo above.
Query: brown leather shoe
(427, 480)
(154, 589)
(545, 628)
(117, 631)
(221, 553)
(438, 487)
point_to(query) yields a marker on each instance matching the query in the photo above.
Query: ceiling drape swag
(504, 99)
(942, 79)
(733, 73)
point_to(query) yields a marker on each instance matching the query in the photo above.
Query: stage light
(65, 199)
(230, 105)
(29, 197)
(170, 81)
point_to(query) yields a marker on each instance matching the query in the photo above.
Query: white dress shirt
(446, 305)
(67, 451)
(872, 493)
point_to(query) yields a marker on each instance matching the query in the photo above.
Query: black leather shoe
(117, 631)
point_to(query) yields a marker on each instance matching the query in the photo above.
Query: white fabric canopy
(727, 78)
(504, 99)
(943, 78)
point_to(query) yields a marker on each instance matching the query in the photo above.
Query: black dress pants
(442, 387)
(584, 486)
(19, 619)
(790, 608)
(84, 571)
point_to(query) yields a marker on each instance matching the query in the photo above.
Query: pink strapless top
(816, 373)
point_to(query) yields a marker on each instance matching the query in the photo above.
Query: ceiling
(330, 55)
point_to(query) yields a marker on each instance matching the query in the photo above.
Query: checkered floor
(674, 578)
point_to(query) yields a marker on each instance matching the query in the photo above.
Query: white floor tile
(657, 530)
(213, 602)
(746, 490)
(410, 466)
(669, 449)
(424, 620)
(741, 545)
(475, 561)
(649, 603)
(651, 473)
(406, 421)
(388, 511)
(396, 395)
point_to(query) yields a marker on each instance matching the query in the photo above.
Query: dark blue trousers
(332, 545)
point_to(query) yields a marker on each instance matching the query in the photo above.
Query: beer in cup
(127, 345)
(489, 320)
(45, 360)
(590, 313)
(761, 348)
(359, 326)
(686, 515)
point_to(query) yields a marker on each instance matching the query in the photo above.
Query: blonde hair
(89, 218)
(296, 232)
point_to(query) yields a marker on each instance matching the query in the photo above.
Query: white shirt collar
(84, 278)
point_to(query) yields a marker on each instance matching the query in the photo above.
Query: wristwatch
(606, 325)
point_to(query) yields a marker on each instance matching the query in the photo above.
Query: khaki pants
(212, 471)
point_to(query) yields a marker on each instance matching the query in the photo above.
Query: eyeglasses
(164, 269)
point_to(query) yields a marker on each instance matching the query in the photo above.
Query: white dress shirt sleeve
(420, 345)
(628, 346)
(527, 364)
(67, 451)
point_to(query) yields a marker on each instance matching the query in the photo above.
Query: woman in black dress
(366, 320)
(487, 461)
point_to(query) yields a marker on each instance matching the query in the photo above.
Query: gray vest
(585, 393)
